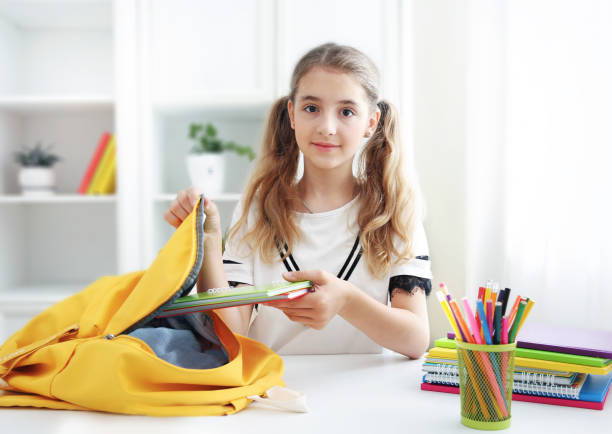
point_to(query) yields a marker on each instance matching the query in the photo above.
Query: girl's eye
(352, 113)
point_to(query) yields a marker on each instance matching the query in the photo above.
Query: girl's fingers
(298, 318)
(297, 311)
(172, 219)
(184, 205)
(192, 195)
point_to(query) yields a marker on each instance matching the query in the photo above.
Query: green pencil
(498, 327)
(517, 321)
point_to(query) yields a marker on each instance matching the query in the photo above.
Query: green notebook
(542, 355)
(224, 295)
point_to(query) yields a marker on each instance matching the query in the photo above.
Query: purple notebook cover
(569, 340)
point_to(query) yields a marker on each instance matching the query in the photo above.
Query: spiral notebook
(593, 394)
(570, 391)
(536, 376)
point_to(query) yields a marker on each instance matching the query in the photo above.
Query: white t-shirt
(328, 238)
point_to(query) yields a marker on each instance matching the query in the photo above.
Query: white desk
(373, 394)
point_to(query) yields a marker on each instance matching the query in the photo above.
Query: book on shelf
(217, 298)
(93, 163)
(105, 170)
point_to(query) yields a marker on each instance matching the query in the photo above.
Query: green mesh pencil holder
(486, 374)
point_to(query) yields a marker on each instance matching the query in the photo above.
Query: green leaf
(211, 131)
(194, 129)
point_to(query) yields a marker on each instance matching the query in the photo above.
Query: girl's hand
(184, 203)
(316, 309)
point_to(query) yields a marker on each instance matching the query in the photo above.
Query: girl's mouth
(322, 146)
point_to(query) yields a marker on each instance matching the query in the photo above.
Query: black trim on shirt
(355, 260)
(280, 252)
(227, 261)
(409, 284)
(348, 259)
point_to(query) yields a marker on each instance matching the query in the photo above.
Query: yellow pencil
(448, 313)
(527, 310)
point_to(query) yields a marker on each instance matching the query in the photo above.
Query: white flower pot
(207, 172)
(37, 181)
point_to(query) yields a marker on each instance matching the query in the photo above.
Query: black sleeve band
(409, 284)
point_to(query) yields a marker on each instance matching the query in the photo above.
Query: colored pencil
(481, 292)
(498, 328)
(462, 324)
(504, 334)
(471, 320)
(506, 298)
(514, 309)
(447, 312)
(517, 321)
(489, 307)
(483, 320)
(530, 304)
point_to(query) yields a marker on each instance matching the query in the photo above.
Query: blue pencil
(483, 320)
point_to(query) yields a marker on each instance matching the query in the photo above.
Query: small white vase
(207, 172)
(37, 181)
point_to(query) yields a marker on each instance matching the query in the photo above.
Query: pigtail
(388, 214)
(271, 186)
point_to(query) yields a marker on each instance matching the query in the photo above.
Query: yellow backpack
(80, 354)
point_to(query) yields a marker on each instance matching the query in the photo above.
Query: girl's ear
(373, 122)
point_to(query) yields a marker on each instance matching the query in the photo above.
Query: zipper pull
(109, 336)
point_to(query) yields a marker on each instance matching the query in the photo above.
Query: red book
(93, 164)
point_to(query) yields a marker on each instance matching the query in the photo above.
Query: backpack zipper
(192, 277)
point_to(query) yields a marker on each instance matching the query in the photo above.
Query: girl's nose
(327, 125)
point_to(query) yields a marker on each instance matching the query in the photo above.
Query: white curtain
(539, 152)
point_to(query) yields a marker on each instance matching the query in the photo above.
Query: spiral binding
(450, 375)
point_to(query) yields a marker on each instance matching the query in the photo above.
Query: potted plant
(36, 176)
(205, 162)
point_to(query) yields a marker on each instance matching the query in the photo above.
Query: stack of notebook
(567, 367)
(217, 298)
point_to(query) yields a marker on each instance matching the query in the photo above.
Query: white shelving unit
(56, 86)
(143, 69)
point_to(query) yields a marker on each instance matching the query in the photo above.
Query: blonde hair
(387, 202)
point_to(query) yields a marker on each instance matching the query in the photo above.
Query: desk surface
(373, 393)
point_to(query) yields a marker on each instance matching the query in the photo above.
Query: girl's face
(330, 118)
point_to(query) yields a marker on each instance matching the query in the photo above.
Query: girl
(356, 237)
